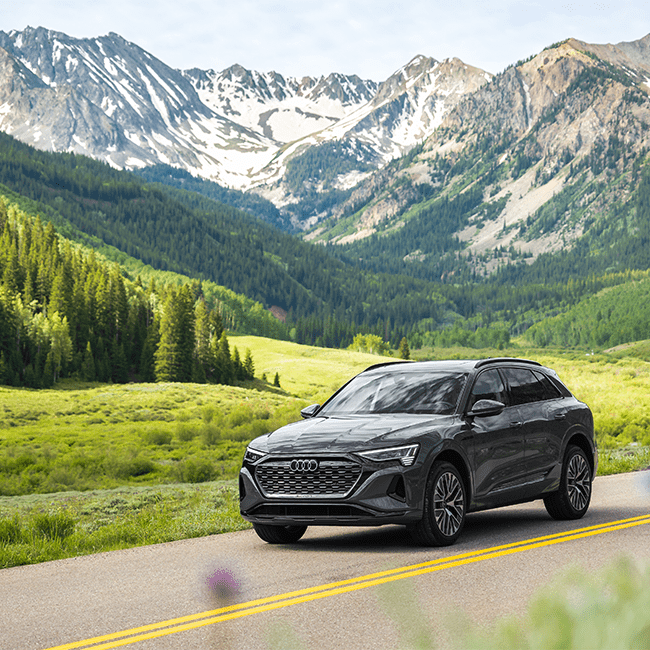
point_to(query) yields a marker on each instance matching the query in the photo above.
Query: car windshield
(398, 392)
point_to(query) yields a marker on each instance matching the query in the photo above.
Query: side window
(551, 391)
(524, 386)
(488, 385)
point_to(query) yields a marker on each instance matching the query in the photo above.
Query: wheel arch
(580, 440)
(456, 459)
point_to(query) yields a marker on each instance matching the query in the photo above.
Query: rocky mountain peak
(537, 145)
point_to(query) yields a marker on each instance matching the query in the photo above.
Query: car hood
(346, 433)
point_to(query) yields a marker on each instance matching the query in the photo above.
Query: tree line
(186, 233)
(64, 312)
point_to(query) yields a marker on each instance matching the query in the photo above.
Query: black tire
(445, 505)
(571, 501)
(279, 534)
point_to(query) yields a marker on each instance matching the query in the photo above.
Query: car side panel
(498, 456)
(545, 429)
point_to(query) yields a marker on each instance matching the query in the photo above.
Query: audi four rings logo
(303, 465)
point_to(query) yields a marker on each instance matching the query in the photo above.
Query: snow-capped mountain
(283, 109)
(110, 99)
(552, 148)
(405, 110)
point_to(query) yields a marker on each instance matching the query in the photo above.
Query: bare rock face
(542, 139)
(52, 118)
(108, 98)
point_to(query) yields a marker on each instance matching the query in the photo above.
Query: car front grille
(332, 478)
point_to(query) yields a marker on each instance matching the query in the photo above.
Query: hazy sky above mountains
(371, 38)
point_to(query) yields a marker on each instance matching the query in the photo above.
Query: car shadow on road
(482, 530)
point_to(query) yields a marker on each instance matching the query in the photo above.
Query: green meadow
(90, 467)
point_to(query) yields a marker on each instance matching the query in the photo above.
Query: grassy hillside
(308, 372)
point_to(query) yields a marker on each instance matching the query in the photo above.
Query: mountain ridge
(227, 126)
(350, 160)
(552, 143)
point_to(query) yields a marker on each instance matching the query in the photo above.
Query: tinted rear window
(526, 386)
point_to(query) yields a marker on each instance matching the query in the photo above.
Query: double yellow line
(185, 623)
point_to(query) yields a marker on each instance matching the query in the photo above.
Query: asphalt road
(328, 591)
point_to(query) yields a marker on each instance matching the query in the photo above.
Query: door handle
(560, 415)
(515, 424)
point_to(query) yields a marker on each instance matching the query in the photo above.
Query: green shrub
(10, 530)
(210, 434)
(61, 478)
(185, 432)
(124, 465)
(158, 437)
(209, 413)
(55, 526)
(239, 415)
(196, 470)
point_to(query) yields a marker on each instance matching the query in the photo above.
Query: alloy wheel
(448, 504)
(578, 479)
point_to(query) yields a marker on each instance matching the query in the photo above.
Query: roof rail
(386, 363)
(485, 362)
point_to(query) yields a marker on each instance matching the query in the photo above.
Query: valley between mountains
(444, 196)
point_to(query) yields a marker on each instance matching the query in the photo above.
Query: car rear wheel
(279, 534)
(571, 501)
(444, 507)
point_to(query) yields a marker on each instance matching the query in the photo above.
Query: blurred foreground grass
(577, 611)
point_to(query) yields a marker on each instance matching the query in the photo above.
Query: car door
(543, 414)
(498, 445)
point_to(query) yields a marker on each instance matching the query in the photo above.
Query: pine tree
(175, 353)
(404, 351)
(186, 322)
(147, 358)
(119, 367)
(223, 364)
(167, 361)
(249, 367)
(237, 365)
(203, 359)
(88, 366)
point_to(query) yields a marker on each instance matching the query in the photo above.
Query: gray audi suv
(422, 444)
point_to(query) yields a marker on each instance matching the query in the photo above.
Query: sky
(370, 38)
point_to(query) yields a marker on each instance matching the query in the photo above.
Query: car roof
(448, 365)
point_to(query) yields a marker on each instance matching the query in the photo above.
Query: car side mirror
(309, 411)
(486, 407)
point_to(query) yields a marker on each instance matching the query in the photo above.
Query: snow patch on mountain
(108, 98)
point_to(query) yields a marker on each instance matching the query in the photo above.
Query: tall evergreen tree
(404, 352)
(175, 351)
(88, 367)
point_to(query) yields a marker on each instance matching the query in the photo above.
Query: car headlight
(406, 455)
(252, 455)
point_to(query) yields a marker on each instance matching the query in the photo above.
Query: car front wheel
(444, 507)
(279, 534)
(572, 499)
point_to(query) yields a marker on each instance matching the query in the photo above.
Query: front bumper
(380, 495)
